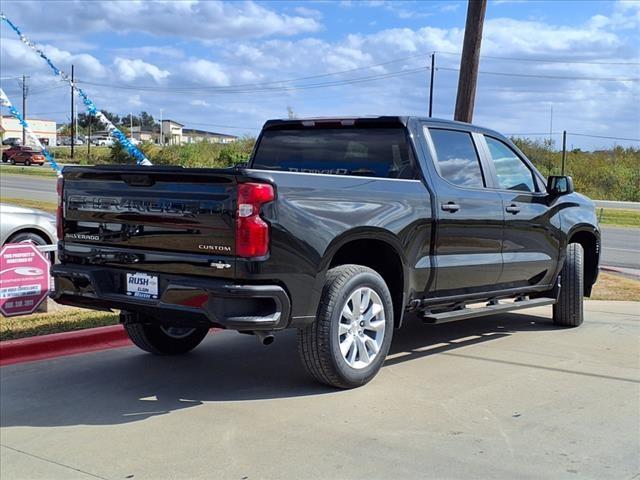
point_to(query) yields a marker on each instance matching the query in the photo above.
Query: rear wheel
(349, 340)
(12, 161)
(568, 311)
(163, 340)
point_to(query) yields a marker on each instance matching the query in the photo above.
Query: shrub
(604, 174)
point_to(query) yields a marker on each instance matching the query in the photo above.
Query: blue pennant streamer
(131, 149)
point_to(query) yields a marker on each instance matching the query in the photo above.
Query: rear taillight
(59, 210)
(252, 233)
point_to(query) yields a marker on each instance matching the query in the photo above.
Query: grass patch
(43, 171)
(619, 217)
(611, 286)
(49, 207)
(64, 320)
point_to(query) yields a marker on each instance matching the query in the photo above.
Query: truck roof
(389, 120)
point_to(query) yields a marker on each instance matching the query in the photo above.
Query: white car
(104, 141)
(20, 224)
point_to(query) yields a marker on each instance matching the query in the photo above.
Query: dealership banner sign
(24, 279)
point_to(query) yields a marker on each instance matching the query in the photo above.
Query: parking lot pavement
(508, 396)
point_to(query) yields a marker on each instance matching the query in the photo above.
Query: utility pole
(564, 150)
(433, 69)
(470, 60)
(131, 125)
(89, 118)
(73, 113)
(161, 129)
(24, 107)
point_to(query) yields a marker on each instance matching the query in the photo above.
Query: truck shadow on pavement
(126, 385)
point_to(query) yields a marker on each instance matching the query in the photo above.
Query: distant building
(43, 129)
(172, 132)
(146, 134)
(192, 135)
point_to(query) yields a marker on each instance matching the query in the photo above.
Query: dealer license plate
(142, 285)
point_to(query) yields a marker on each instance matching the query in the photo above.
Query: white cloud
(199, 103)
(202, 20)
(308, 12)
(135, 101)
(129, 70)
(206, 72)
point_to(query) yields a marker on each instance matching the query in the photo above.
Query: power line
(236, 90)
(603, 136)
(539, 60)
(261, 84)
(572, 133)
(551, 77)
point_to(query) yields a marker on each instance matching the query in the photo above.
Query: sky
(230, 66)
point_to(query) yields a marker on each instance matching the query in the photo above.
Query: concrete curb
(61, 344)
(630, 272)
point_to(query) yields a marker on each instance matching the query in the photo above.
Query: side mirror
(559, 185)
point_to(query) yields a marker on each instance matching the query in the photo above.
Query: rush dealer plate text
(142, 285)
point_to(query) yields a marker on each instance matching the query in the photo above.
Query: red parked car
(25, 155)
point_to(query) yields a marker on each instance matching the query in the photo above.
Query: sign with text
(24, 279)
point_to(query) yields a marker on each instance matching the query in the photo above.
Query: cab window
(457, 159)
(511, 171)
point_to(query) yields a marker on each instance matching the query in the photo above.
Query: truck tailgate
(156, 209)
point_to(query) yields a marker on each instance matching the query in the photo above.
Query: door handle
(450, 207)
(513, 209)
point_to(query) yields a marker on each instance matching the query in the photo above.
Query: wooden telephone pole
(470, 60)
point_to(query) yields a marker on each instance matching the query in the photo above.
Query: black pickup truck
(335, 227)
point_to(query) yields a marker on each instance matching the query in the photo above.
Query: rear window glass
(371, 152)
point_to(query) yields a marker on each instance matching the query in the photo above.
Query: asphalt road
(502, 397)
(28, 187)
(621, 246)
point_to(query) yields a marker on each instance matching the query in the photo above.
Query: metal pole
(89, 118)
(433, 69)
(470, 60)
(73, 114)
(131, 125)
(24, 108)
(564, 149)
(161, 129)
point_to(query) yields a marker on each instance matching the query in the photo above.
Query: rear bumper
(183, 300)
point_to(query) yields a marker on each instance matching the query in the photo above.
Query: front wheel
(349, 340)
(163, 340)
(568, 311)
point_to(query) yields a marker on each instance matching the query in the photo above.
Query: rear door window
(457, 158)
(370, 152)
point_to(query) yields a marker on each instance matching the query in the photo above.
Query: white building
(192, 135)
(172, 132)
(44, 129)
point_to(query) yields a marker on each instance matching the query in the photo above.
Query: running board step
(464, 313)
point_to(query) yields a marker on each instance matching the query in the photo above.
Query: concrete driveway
(508, 396)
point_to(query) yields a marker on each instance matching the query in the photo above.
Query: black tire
(155, 339)
(12, 161)
(319, 343)
(4, 158)
(568, 311)
(27, 163)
